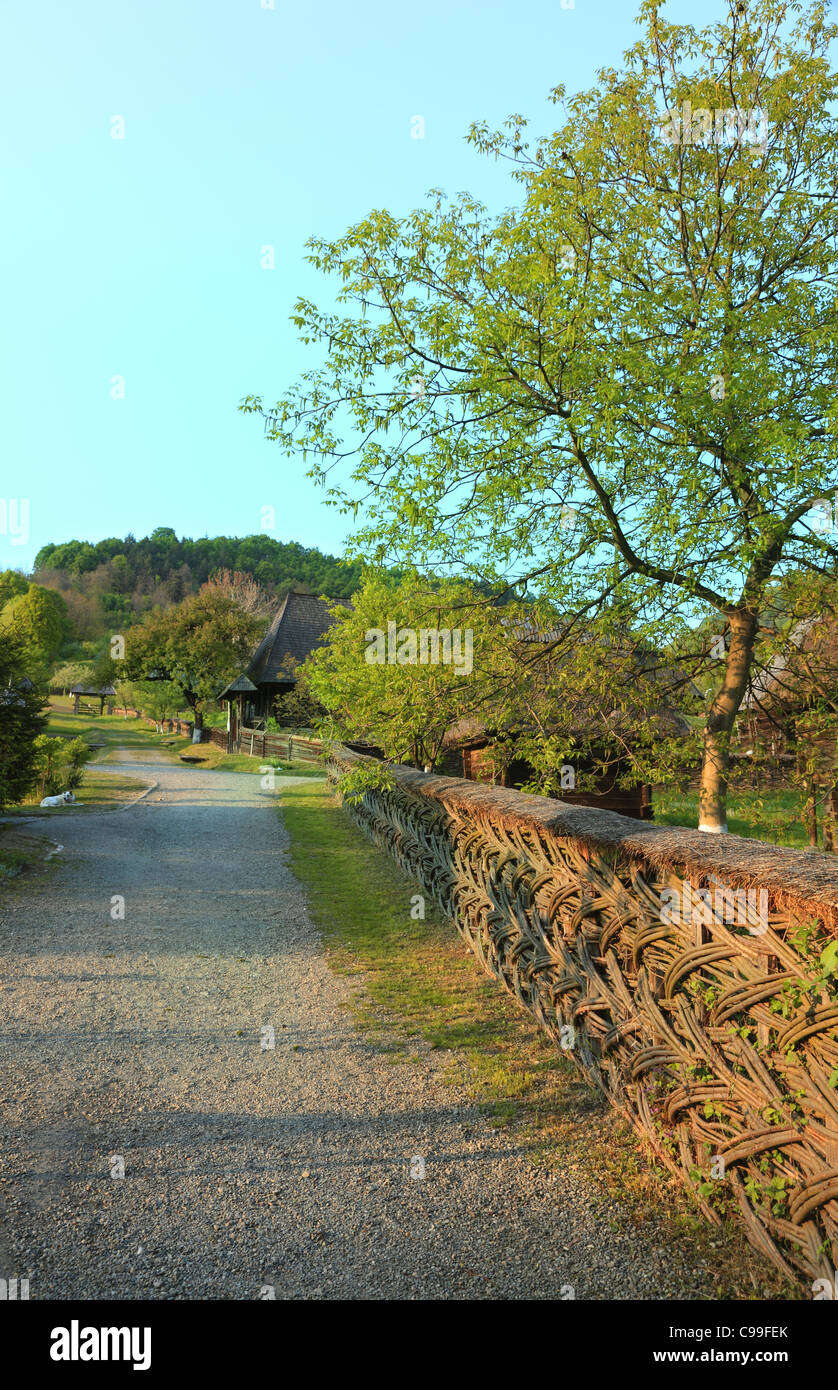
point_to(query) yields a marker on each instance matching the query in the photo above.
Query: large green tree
(38, 623)
(21, 723)
(625, 386)
(197, 646)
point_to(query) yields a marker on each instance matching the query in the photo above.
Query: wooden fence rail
(684, 973)
(258, 744)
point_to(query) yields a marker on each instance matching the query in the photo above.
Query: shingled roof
(298, 628)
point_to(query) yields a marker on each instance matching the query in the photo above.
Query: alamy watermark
(720, 125)
(407, 646)
(14, 519)
(701, 907)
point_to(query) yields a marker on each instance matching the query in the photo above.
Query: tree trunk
(810, 816)
(830, 820)
(712, 800)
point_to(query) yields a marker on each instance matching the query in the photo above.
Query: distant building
(299, 627)
(94, 692)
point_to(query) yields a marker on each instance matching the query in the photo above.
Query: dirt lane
(249, 1170)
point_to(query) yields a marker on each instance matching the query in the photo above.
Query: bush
(76, 753)
(60, 763)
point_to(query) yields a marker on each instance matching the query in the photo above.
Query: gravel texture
(249, 1171)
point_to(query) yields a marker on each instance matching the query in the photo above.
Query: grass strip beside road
(100, 791)
(113, 735)
(416, 978)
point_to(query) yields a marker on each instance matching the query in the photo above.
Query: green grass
(116, 732)
(415, 979)
(100, 791)
(112, 730)
(774, 816)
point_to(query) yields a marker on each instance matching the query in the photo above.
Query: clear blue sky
(244, 127)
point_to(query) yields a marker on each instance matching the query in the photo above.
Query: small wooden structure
(233, 697)
(100, 693)
(300, 625)
(469, 748)
(13, 694)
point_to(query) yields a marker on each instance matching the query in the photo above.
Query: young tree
(158, 700)
(21, 724)
(37, 621)
(402, 665)
(625, 385)
(12, 584)
(198, 646)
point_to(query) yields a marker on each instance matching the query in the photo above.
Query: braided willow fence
(684, 973)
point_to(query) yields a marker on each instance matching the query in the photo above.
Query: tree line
(109, 584)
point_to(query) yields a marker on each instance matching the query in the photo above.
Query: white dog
(64, 799)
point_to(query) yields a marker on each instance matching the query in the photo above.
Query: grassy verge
(20, 854)
(115, 735)
(100, 791)
(415, 978)
(774, 816)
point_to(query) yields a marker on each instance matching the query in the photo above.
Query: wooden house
(298, 628)
(471, 751)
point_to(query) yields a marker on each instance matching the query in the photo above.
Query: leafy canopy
(197, 646)
(627, 382)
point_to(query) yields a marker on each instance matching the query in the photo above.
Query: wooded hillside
(108, 585)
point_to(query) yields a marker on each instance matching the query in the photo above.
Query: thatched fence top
(806, 882)
(691, 976)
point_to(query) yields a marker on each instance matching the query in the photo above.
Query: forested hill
(116, 580)
(162, 555)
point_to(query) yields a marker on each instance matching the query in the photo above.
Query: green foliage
(21, 723)
(60, 763)
(123, 578)
(12, 584)
(511, 681)
(197, 646)
(77, 752)
(605, 390)
(50, 764)
(402, 707)
(38, 623)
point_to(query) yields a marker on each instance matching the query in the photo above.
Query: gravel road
(250, 1171)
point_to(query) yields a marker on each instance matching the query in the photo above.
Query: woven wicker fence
(684, 973)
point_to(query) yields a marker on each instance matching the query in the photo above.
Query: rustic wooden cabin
(298, 628)
(471, 751)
